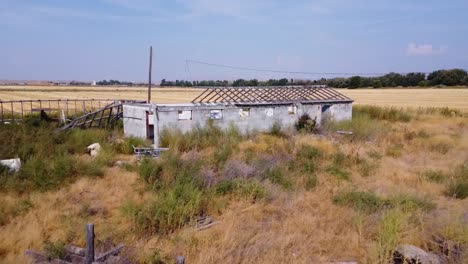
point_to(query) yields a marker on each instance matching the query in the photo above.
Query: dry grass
(409, 97)
(294, 225)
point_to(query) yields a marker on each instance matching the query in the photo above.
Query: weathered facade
(248, 109)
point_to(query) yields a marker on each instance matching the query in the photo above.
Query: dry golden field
(409, 97)
(297, 221)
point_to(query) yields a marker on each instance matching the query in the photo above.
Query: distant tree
(355, 82)
(376, 83)
(283, 82)
(414, 78)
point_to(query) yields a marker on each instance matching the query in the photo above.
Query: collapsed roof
(270, 95)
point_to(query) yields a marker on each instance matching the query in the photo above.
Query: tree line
(453, 77)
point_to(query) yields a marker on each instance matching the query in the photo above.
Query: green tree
(355, 82)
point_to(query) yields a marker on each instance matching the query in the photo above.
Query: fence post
(89, 255)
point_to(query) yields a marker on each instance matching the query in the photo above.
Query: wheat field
(404, 97)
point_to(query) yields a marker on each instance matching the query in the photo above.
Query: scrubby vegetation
(283, 196)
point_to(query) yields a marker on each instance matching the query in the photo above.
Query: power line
(291, 72)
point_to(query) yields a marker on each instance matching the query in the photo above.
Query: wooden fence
(19, 110)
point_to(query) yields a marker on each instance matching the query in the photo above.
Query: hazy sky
(104, 39)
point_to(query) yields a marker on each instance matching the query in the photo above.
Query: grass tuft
(367, 202)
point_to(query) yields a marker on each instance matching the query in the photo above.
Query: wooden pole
(149, 73)
(89, 255)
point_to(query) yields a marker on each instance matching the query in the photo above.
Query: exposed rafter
(270, 95)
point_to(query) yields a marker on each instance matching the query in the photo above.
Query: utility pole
(149, 74)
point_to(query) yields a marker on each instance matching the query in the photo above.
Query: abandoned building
(247, 108)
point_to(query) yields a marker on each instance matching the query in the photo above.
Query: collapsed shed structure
(247, 108)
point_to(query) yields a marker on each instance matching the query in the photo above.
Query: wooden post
(180, 260)
(89, 255)
(149, 73)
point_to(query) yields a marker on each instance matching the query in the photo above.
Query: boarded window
(292, 110)
(185, 115)
(216, 114)
(244, 112)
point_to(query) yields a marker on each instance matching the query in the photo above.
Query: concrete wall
(261, 117)
(134, 120)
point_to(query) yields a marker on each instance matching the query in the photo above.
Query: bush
(458, 186)
(409, 203)
(252, 190)
(308, 152)
(363, 201)
(434, 176)
(275, 175)
(171, 209)
(306, 124)
(277, 131)
(150, 171)
(311, 182)
(369, 202)
(458, 189)
(54, 250)
(339, 172)
(78, 139)
(126, 146)
(200, 137)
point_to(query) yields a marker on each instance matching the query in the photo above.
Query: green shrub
(200, 137)
(157, 257)
(306, 124)
(172, 209)
(308, 152)
(277, 131)
(458, 189)
(434, 176)
(275, 175)
(79, 139)
(126, 146)
(409, 203)
(90, 169)
(458, 185)
(390, 228)
(252, 190)
(63, 167)
(149, 170)
(54, 250)
(339, 172)
(311, 182)
(363, 201)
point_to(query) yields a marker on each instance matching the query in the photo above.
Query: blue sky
(104, 39)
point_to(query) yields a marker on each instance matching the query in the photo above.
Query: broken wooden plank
(344, 132)
(59, 261)
(75, 250)
(207, 226)
(102, 256)
(36, 256)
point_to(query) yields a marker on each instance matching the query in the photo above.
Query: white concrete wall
(261, 118)
(134, 120)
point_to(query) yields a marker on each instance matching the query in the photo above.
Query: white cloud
(422, 50)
